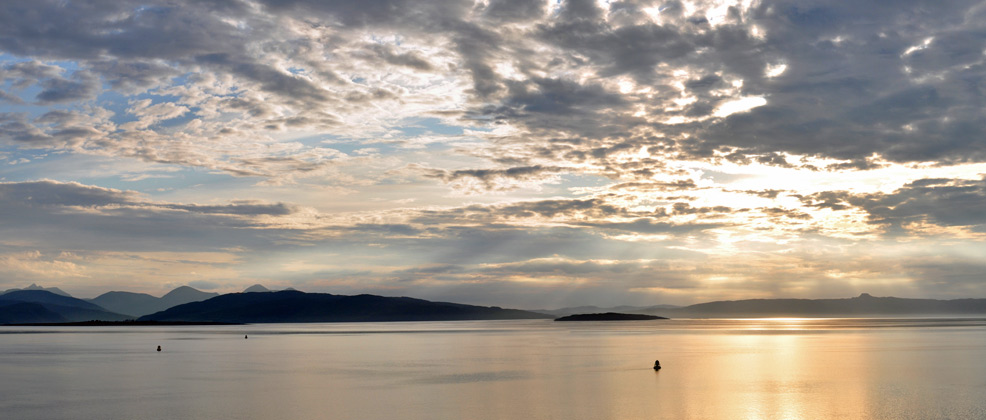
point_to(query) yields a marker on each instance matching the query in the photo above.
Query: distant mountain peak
(35, 286)
(865, 296)
(257, 288)
(186, 294)
(138, 304)
(49, 305)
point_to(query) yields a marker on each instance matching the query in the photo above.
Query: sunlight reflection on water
(727, 368)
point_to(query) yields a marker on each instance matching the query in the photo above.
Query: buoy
(158, 348)
(244, 337)
(657, 365)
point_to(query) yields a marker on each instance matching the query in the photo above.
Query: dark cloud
(270, 79)
(57, 90)
(851, 88)
(863, 79)
(590, 214)
(57, 194)
(6, 97)
(937, 201)
(22, 74)
(17, 128)
(134, 75)
(125, 29)
(958, 203)
(77, 216)
(514, 10)
(559, 97)
(493, 179)
(53, 194)
(238, 208)
(685, 208)
(477, 45)
(409, 59)
(374, 12)
(631, 48)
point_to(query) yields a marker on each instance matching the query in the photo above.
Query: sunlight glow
(774, 70)
(739, 105)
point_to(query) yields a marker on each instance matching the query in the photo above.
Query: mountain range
(139, 304)
(257, 304)
(295, 306)
(33, 286)
(35, 306)
(862, 305)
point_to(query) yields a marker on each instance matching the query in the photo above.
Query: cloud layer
(505, 151)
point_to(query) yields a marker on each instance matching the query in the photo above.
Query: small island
(609, 316)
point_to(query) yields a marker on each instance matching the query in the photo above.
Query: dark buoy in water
(244, 336)
(657, 365)
(158, 348)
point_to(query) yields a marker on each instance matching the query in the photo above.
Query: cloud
(514, 10)
(409, 59)
(953, 203)
(57, 194)
(76, 216)
(554, 78)
(48, 194)
(743, 135)
(935, 201)
(33, 266)
(492, 179)
(80, 87)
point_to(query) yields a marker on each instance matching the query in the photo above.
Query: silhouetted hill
(294, 306)
(68, 308)
(138, 304)
(46, 297)
(609, 316)
(12, 312)
(257, 288)
(185, 294)
(862, 305)
(134, 304)
(33, 286)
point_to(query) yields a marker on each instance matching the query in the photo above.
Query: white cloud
(739, 105)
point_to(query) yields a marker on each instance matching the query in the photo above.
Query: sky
(520, 153)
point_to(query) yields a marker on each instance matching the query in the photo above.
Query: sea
(837, 368)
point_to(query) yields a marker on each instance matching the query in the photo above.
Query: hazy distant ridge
(24, 306)
(259, 305)
(862, 305)
(34, 286)
(573, 310)
(295, 306)
(137, 304)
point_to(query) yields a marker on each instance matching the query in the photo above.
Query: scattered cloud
(505, 149)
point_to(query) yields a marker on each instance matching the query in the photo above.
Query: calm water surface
(713, 369)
